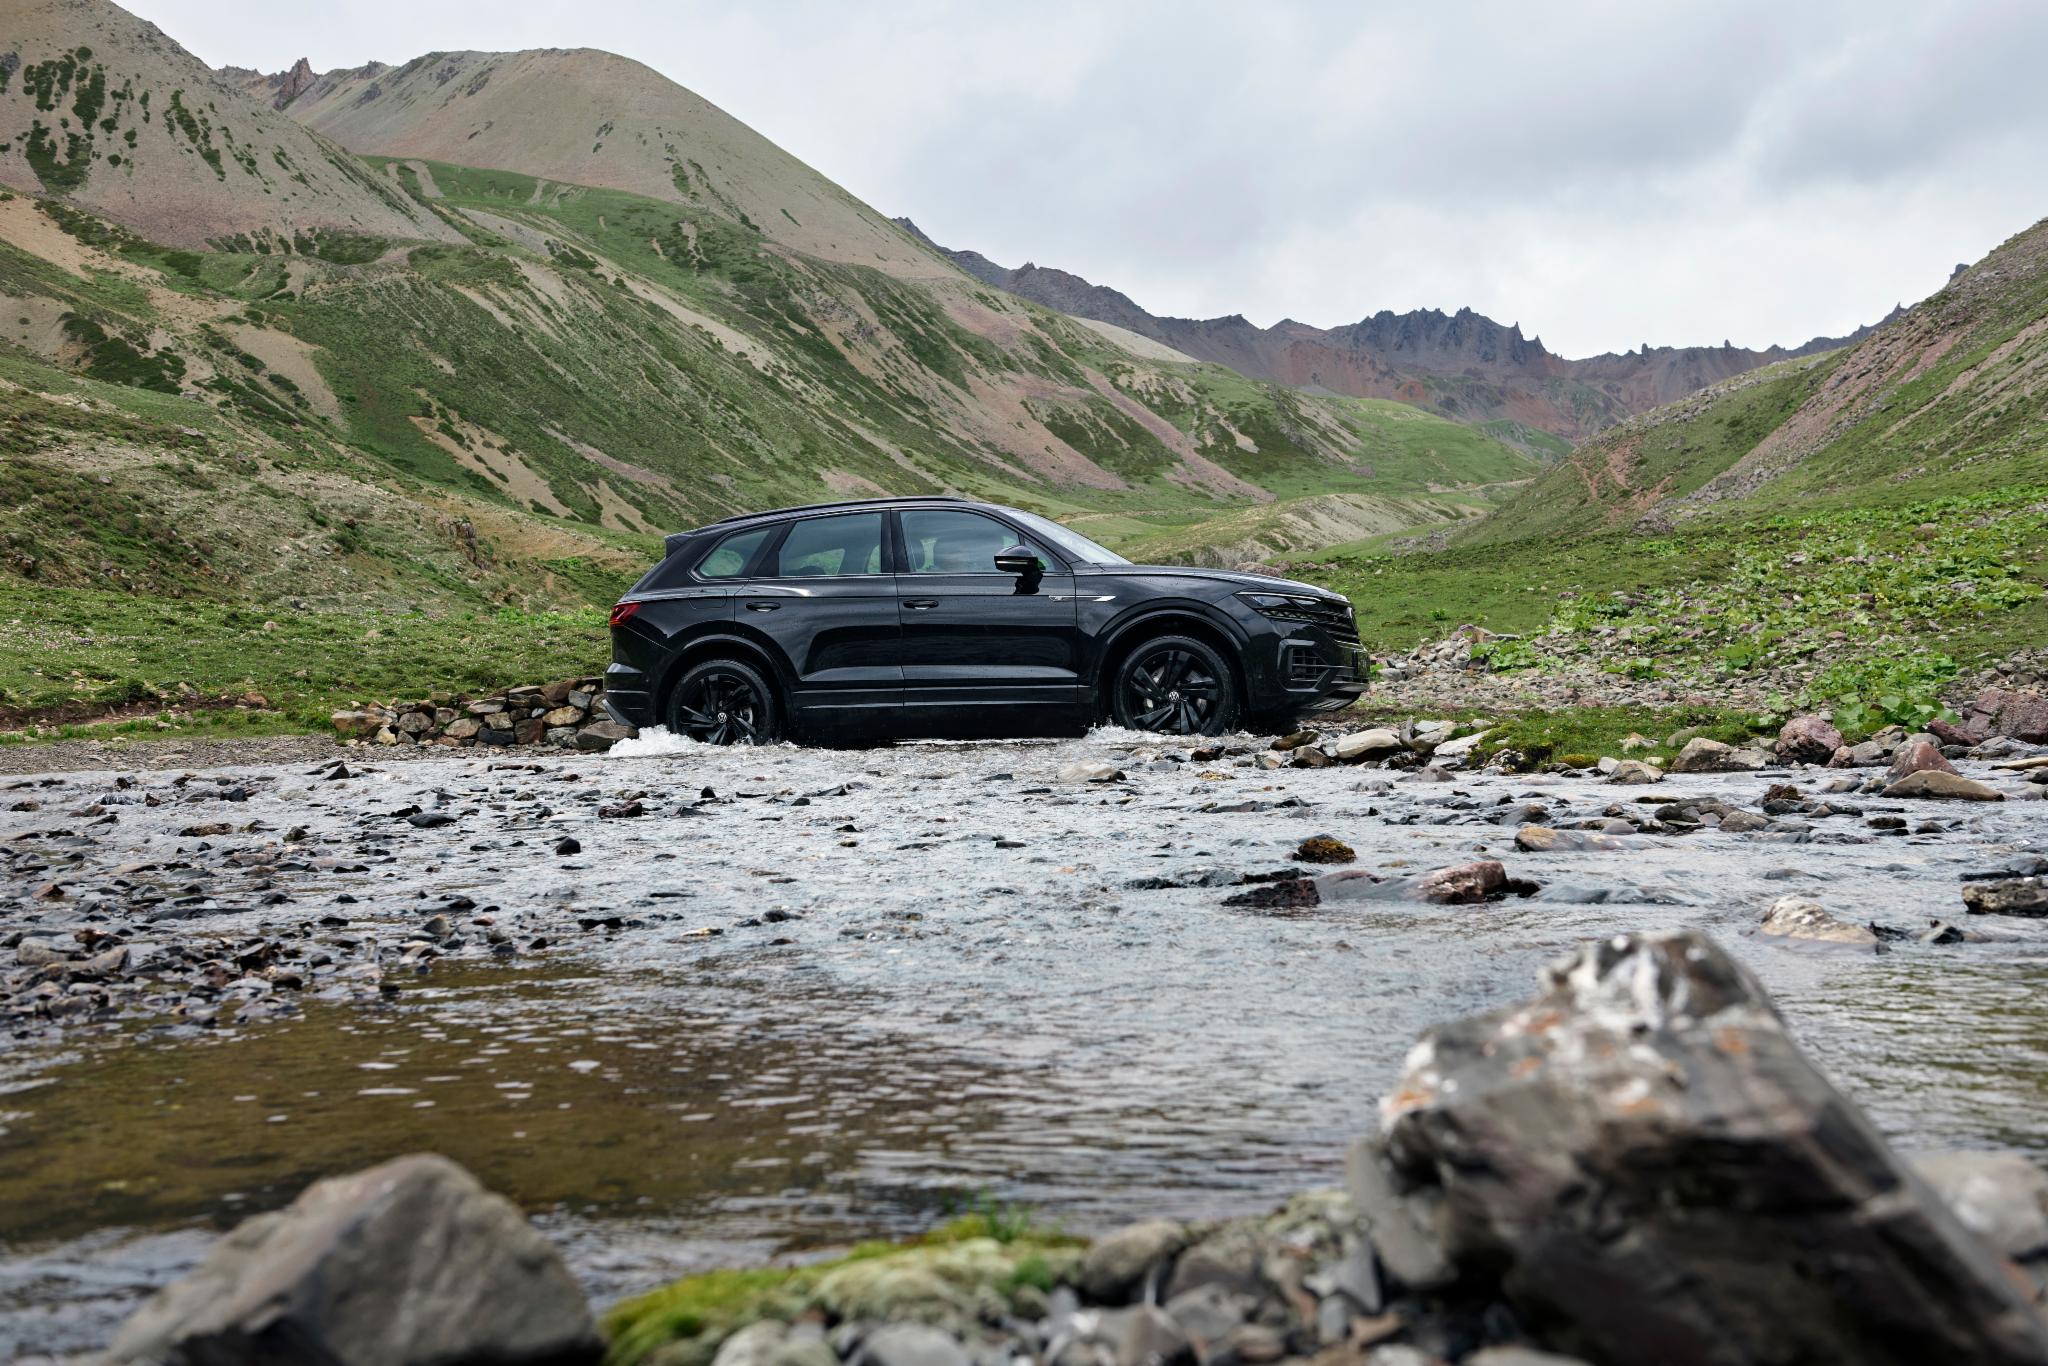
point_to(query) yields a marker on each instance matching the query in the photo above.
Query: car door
(824, 596)
(973, 634)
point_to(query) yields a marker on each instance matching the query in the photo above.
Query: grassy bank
(70, 655)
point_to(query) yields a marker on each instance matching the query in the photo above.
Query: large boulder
(1644, 1165)
(1793, 917)
(1933, 783)
(1999, 711)
(1919, 754)
(1808, 739)
(410, 1263)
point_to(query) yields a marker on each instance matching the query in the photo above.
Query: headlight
(1286, 604)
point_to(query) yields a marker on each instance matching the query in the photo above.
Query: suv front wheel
(1175, 685)
(725, 702)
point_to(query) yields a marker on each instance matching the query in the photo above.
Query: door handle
(920, 604)
(762, 606)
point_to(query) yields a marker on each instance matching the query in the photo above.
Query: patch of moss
(953, 1277)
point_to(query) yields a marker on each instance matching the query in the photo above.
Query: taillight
(623, 612)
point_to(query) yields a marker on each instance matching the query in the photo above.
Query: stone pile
(1636, 1165)
(568, 713)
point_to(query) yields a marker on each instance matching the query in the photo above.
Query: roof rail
(844, 503)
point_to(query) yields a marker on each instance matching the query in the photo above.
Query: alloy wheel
(1171, 690)
(722, 707)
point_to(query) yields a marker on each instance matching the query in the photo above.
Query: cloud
(1604, 173)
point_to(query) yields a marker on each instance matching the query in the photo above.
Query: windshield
(1073, 544)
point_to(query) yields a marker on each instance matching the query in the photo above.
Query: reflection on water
(942, 1018)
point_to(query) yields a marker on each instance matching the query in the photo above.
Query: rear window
(830, 546)
(730, 557)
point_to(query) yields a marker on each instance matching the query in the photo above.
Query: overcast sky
(1604, 173)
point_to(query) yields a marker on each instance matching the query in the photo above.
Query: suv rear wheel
(725, 702)
(1175, 685)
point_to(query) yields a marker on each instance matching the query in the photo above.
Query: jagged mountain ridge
(1948, 396)
(1463, 364)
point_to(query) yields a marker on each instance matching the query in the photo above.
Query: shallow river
(953, 995)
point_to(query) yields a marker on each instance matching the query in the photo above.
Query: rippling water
(950, 1020)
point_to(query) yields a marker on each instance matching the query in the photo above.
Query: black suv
(931, 616)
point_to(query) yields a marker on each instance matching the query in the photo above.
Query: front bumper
(1324, 675)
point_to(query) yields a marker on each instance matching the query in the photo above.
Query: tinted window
(936, 541)
(733, 554)
(850, 544)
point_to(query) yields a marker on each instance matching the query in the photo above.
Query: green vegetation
(68, 654)
(959, 1273)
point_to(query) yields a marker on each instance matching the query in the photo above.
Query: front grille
(1340, 622)
(1306, 667)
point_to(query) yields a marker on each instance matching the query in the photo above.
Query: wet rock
(1918, 754)
(2000, 1197)
(1639, 1156)
(36, 953)
(1808, 740)
(1296, 740)
(1115, 1267)
(910, 1344)
(1153, 1338)
(1465, 884)
(2007, 896)
(430, 820)
(1363, 746)
(1544, 839)
(568, 845)
(1462, 746)
(1933, 783)
(1324, 849)
(1291, 894)
(1792, 917)
(626, 810)
(1090, 771)
(1702, 755)
(411, 1262)
(600, 736)
(1310, 756)
(1635, 771)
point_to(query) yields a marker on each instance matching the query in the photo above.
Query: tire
(1174, 685)
(724, 702)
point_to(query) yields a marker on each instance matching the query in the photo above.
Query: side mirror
(1018, 560)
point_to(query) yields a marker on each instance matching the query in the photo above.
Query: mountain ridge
(1462, 364)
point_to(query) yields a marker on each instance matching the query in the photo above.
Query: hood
(1233, 577)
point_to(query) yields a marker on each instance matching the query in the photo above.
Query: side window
(938, 541)
(730, 558)
(848, 544)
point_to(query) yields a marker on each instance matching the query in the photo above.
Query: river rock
(1542, 839)
(600, 736)
(1090, 771)
(2001, 1197)
(1115, 1266)
(1363, 745)
(2019, 715)
(1642, 1161)
(1465, 884)
(2007, 896)
(1702, 755)
(405, 1264)
(1460, 747)
(1809, 740)
(1635, 771)
(1792, 917)
(1324, 849)
(910, 1344)
(1153, 1338)
(1919, 754)
(1932, 782)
